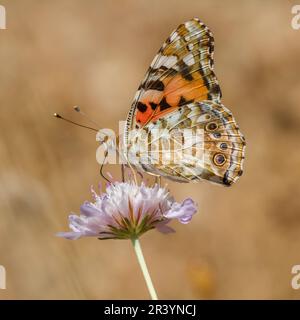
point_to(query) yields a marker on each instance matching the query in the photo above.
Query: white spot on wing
(173, 36)
(189, 60)
(166, 61)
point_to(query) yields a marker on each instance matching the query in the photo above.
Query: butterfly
(178, 98)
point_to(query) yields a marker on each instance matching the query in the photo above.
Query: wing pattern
(177, 126)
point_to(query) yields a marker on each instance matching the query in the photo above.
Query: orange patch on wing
(142, 117)
(190, 90)
(149, 96)
(175, 88)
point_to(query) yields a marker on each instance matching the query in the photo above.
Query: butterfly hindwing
(199, 142)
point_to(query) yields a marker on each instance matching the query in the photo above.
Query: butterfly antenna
(77, 109)
(56, 115)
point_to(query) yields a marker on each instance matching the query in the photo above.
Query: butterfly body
(177, 126)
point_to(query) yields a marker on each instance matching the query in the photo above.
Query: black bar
(144, 309)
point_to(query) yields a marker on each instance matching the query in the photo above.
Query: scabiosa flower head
(127, 210)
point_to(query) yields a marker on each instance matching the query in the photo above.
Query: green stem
(142, 263)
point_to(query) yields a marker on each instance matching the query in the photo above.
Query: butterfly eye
(219, 159)
(211, 126)
(223, 146)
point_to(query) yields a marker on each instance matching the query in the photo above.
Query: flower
(127, 210)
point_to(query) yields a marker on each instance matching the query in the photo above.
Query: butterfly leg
(123, 172)
(158, 180)
(102, 166)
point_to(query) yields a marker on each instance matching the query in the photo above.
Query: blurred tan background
(57, 54)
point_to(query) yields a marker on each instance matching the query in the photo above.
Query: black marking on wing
(153, 105)
(164, 104)
(226, 181)
(185, 71)
(156, 85)
(183, 101)
(141, 107)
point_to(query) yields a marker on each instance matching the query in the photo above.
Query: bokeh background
(56, 54)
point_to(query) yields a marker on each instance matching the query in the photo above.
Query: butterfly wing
(198, 142)
(180, 92)
(181, 72)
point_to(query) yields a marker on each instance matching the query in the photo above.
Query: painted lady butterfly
(180, 91)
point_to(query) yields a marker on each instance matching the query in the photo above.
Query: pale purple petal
(76, 235)
(163, 228)
(88, 209)
(182, 211)
(75, 223)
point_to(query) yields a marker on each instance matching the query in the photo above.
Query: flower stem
(142, 262)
